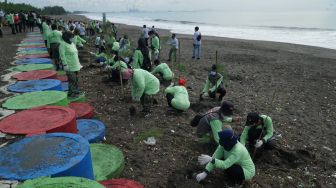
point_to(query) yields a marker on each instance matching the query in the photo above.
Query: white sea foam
(306, 36)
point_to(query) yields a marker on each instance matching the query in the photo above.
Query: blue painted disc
(35, 85)
(46, 155)
(65, 86)
(91, 129)
(33, 61)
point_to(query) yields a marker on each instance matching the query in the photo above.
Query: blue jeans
(197, 50)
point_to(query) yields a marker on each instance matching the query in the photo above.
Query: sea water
(313, 28)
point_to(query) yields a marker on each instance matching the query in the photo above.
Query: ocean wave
(306, 36)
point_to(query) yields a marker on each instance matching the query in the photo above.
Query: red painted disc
(83, 110)
(62, 78)
(35, 75)
(46, 119)
(121, 183)
(31, 56)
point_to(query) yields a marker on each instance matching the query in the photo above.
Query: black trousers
(235, 174)
(169, 97)
(254, 134)
(13, 28)
(222, 92)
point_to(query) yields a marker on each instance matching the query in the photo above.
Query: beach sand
(294, 84)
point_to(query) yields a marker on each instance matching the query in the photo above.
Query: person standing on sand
(155, 46)
(2, 14)
(141, 59)
(114, 30)
(258, 132)
(144, 86)
(177, 96)
(230, 156)
(69, 56)
(174, 45)
(54, 40)
(216, 119)
(213, 85)
(79, 42)
(10, 21)
(197, 42)
(145, 32)
(46, 30)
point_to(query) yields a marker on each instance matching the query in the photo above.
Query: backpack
(199, 37)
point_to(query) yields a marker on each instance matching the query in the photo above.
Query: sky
(181, 5)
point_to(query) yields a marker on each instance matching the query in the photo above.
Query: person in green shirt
(155, 46)
(69, 57)
(53, 41)
(114, 30)
(46, 31)
(117, 68)
(230, 156)
(10, 21)
(125, 43)
(174, 45)
(214, 84)
(144, 86)
(258, 132)
(164, 71)
(110, 39)
(79, 41)
(177, 96)
(216, 119)
(141, 58)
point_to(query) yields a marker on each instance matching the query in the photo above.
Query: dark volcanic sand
(301, 78)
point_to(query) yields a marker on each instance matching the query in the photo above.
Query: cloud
(226, 5)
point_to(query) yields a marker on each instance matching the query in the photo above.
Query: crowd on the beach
(142, 67)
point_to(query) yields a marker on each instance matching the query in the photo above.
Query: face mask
(72, 40)
(212, 73)
(227, 144)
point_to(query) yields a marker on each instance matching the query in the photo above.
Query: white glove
(107, 67)
(258, 143)
(101, 63)
(66, 68)
(204, 159)
(201, 176)
(206, 94)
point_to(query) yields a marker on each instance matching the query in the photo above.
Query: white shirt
(145, 32)
(195, 38)
(2, 13)
(174, 43)
(81, 30)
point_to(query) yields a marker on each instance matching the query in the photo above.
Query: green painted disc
(80, 98)
(107, 161)
(33, 52)
(35, 99)
(61, 73)
(31, 67)
(62, 182)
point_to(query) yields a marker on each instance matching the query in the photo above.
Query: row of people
(232, 153)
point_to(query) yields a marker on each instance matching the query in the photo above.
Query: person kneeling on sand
(101, 57)
(144, 86)
(214, 84)
(69, 56)
(258, 132)
(177, 96)
(230, 156)
(215, 120)
(117, 68)
(164, 71)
